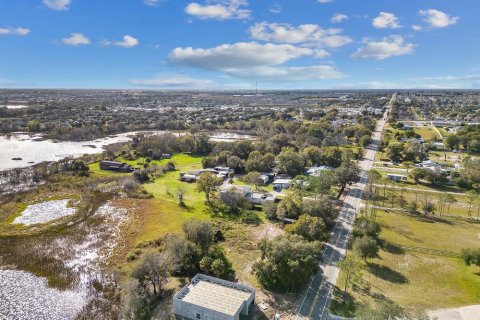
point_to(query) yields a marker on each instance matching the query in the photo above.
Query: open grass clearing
(409, 269)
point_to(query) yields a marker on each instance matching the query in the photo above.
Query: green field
(417, 267)
(427, 133)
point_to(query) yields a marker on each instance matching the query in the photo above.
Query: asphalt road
(316, 302)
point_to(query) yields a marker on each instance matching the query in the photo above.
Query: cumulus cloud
(386, 20)
(383, 49)
(76, 39)
(57, 4)
(127, 42)
(173, 81)
(417, 28)
(305, 33)
(251, 60)
(219, 10)
(339, 18)
(287, 74)
(14, 31)
(237, 55)
(438, 19)
(324, 1)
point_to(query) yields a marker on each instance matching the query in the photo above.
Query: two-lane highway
(315, 305)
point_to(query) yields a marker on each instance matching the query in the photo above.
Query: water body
(24, 296)
(29, 149)
(230, 137)
(14, 106)
(44, 212)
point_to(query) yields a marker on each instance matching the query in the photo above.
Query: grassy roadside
(417, 267)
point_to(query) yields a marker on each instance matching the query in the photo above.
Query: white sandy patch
(44, 212)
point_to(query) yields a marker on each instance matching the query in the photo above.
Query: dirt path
(463, 313)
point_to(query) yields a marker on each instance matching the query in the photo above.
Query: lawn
(427, 133)
(417, 267)
(163, 214)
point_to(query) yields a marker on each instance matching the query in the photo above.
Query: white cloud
(151, 3)
(305, 33)
(127, 42)
(276, 8)
(451, 78)
(438, 19)
(57, 4)
(219, 10)
(386, 20)
(14, 31)
(237, 55)
(287, 74)
(324, 1)
(173, 81)
(417, 28)
(76, 39)
(337, 18)
(320, 54)
(386, 48)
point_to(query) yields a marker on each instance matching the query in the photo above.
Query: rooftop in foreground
(216, 294)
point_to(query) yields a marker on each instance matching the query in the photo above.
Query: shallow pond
(44, 212)
(28, 149)
(230, 137)
(24, 296)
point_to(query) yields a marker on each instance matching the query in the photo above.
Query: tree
(394, 152)
(472, 196)
(374, 177)
(407, 164)
(352, 271)
(310, 228)
(270, 209)
(365, 141)
(258, 162)
(291, 206)
(290, 162)
(181, 192)
(208, 183)
(287, 262)
(450, 199)
(321, 183)
(150, 272)
(347, 174)
(366, 247)
(366, 226)
(134, 301)
(452, 142)
(215, 262)
(199, 232)
(322, 207)
(471, 256)
(417, 174)
(253, 178)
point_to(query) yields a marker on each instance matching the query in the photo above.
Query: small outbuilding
(115, 166)
(280, 184)
(209, 298)
(397, 177)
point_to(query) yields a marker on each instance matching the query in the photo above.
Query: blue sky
(230, 44)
